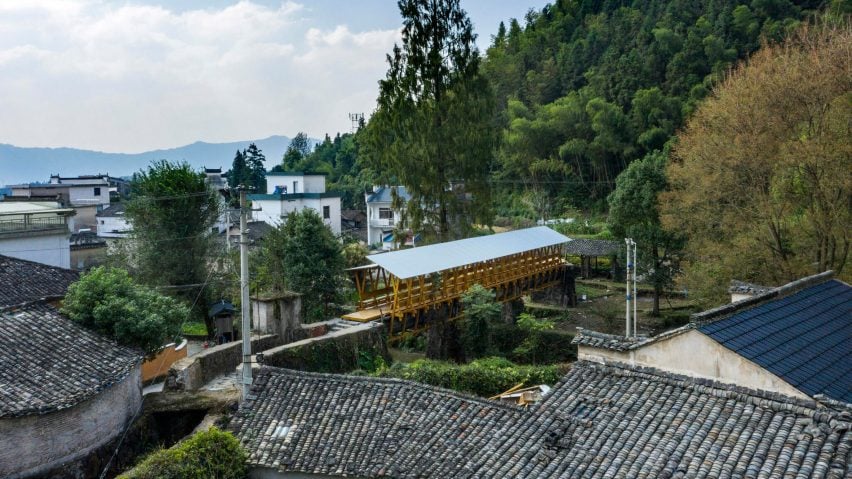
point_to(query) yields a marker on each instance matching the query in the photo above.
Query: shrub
(553, 346)
(483, 377)
(209, 454)
(109, 302)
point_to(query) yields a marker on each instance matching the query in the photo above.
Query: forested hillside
(585, 87)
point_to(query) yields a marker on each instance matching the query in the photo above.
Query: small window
(102, 221)
(326, 212)
(295, 184)
(385, 214)
(97, 191)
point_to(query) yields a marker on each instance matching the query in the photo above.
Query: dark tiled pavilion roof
(48, 363)
(592, 247)
(804, 338)
(598, 422)
(23, 281)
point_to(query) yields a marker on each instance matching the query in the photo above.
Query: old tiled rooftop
(592, 247)
(47, 362)
(332, 424)
(23, 281)
(599, 421)
(804, 338)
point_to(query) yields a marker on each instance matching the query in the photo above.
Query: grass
(194, 329)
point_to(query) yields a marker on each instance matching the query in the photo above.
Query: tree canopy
(433, 130)
(302, 255)
(110, 303)
(172, 211)
(761, 178)
(585, 87)
(634, 213)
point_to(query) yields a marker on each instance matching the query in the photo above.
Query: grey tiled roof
(747, 288)
(383, 194)
(804, 338)
(592, 247)
(23, 281)
(598, 422)
(47, 362)
(365, 426)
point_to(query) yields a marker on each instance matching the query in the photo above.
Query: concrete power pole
(244, 294)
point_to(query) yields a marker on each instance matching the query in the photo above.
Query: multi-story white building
(382, 217)
(36, 231)
(295, 191)
(87, 195)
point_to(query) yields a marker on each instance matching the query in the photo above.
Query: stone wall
(32, 445)
(335, 352)
(191, 373)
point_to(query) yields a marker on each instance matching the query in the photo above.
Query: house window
(326, 212)
(385, 214)
(97, 191)
(295, 184)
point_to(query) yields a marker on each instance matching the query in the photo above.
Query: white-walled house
(381, 216)
(87, 194)
(287, 192)
(112, 223)
(36, 231)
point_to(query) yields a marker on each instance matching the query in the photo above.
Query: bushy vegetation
(302, 255)
(108, 301)
(205, 455)
(482, 377)
(585, 87)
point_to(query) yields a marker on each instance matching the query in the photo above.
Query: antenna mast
(356, 119)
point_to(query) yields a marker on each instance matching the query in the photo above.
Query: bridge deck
(411, 296)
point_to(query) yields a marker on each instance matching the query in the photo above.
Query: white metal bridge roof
(429, 259)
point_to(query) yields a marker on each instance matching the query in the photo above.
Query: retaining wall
(189, 374)
(335, 352)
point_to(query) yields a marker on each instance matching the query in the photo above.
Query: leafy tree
(239, 174)
(172, 211)
(480, 310)
(297, 150)
(760, 175)
(634, 213)
(302, 255)
(109, 302)
(534, 328)
(432, 130)
(604, 83)
(207, 454)
(256, 177)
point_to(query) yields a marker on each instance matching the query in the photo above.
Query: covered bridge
(411, 287)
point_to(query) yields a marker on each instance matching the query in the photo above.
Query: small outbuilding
(589, 251)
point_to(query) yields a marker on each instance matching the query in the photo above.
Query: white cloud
(131, 76)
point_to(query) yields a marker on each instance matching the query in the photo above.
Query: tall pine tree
(432, 130)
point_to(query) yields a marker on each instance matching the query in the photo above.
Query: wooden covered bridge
(409, 289)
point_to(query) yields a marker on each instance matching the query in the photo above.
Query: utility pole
(627, 327)
(244, 294)
(635, 296)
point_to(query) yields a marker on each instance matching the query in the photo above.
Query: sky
(131, 76)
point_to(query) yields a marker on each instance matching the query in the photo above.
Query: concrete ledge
(189, 374)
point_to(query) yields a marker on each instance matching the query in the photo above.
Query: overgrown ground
(604, 305)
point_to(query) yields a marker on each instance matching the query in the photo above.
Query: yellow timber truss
(410, 304)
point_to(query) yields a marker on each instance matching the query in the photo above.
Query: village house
(64, 391)
(296, 191)
(112, 223)
(611, 415)
(382, 217)
(36, 231)
(87, 195)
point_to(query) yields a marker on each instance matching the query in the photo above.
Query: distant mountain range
(24, 165)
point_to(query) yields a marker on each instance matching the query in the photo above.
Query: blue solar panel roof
(804, 338)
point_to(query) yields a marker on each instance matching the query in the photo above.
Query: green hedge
(483, 377)
(554, 345)
(208, 454)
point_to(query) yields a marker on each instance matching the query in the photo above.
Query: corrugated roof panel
(804, 338)
(429, 259)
